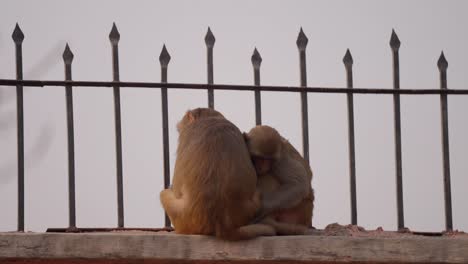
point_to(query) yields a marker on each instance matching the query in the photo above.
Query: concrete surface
(163, 247)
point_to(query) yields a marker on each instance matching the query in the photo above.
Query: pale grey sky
(424, 28)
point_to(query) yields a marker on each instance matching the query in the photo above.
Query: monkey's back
(214, 169)
(300, 168)
(307, 204)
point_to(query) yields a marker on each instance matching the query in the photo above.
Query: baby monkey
(284, 180)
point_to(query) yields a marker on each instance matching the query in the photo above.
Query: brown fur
(214, 184)
(286, 188)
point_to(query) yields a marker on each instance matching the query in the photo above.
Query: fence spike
(302, 40)
(256, 59)
(395, 45)
(348, 62)
(210, 38)
(164, 57)
(18, 38)
(442, 63)
(67, 55)
(67, 59)
(256, 62)
(348, 59)
(301, 45)
(17, 35)
(114, 35)
(394, 41)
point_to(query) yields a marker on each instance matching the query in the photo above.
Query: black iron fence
(303, 89)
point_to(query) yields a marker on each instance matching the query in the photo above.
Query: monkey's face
(262, 165)
(264, 144)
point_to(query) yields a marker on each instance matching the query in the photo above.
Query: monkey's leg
(249, 207)
(286, 228)
(255, 230)
(172, 205)
(249, 232)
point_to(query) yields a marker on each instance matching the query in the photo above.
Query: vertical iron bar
(18, 38)
(256, 62)
(302, 44)
(348, 62)
(395, 45)
(164, 59)
(68, 59)
(442, 65)
(114, 37)
(209, 41)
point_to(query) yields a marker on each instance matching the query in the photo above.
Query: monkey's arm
(287, 196)
(294, 187)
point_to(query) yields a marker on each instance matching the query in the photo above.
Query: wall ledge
(164, 247)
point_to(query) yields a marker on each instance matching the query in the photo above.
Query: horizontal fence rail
(210, 86)
(231, 87)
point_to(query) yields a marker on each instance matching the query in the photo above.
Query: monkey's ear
(191, 117)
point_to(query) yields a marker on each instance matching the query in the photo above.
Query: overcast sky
(425, 28)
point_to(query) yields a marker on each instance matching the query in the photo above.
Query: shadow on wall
(43, 141)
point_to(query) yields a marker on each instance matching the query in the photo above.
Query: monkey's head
(264, 144)
(197, 114)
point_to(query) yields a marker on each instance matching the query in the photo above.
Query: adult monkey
(214, 186)
(284, 179)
